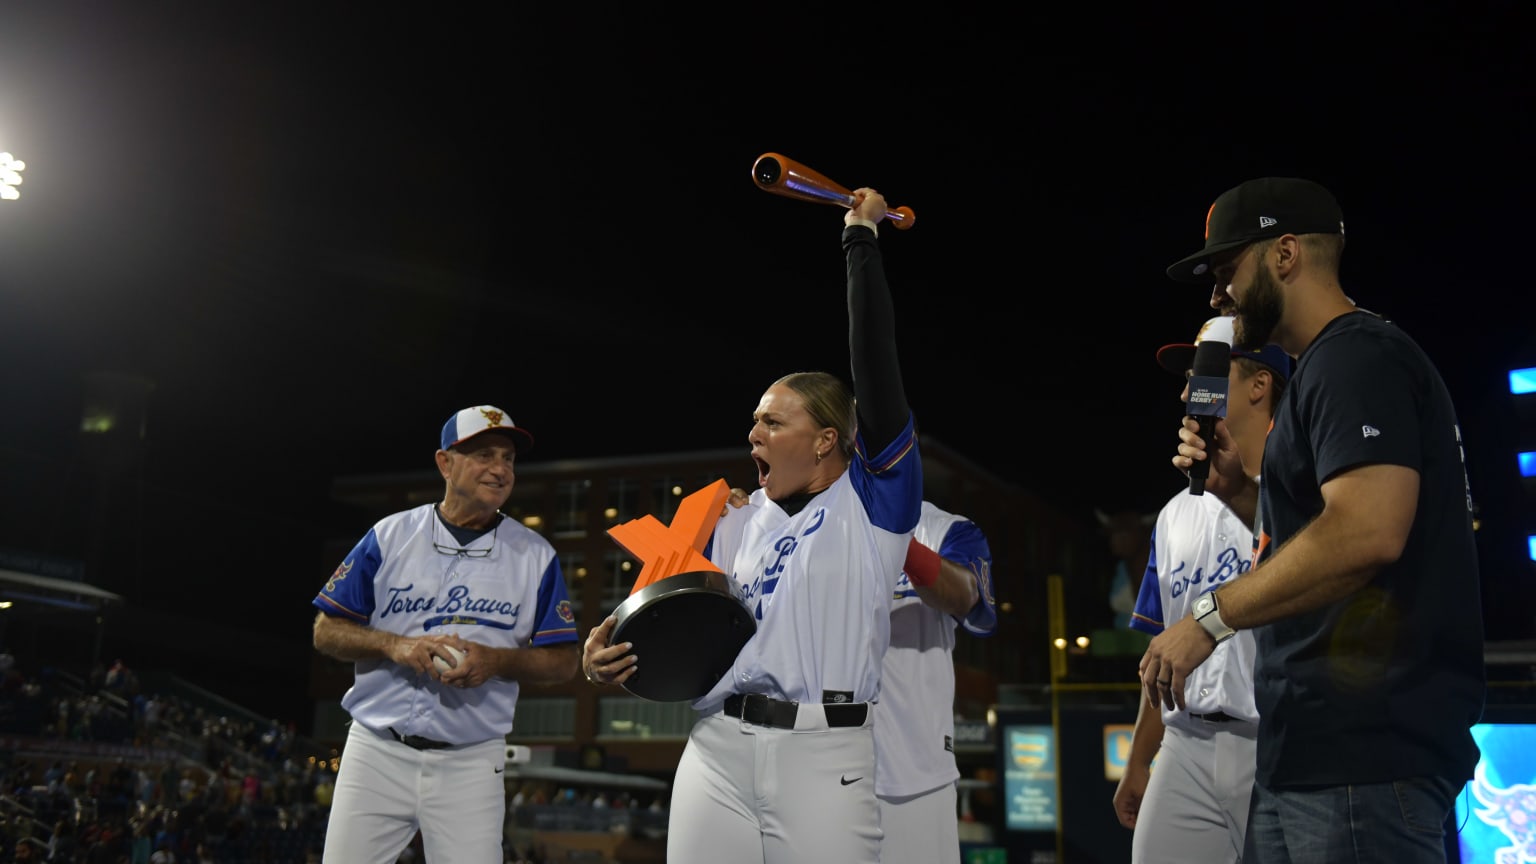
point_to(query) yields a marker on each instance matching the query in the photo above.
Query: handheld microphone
(1207, 401)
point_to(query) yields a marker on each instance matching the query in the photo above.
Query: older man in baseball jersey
(444, 609)
(1194, 806)
(947, 580)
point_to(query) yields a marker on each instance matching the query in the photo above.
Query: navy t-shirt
(1386, 683)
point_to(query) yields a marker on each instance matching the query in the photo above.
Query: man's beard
(1259, 312)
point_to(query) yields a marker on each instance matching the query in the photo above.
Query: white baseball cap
(1179, 357)
(480, 419)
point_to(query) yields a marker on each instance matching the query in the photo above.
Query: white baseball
(443, 665)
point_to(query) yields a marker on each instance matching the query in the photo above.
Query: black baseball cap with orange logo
(1258, 210)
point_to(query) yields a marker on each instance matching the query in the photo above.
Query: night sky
(318, 231)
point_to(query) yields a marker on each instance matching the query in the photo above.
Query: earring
(818, 457)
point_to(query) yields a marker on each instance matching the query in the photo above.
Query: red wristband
(922, 564)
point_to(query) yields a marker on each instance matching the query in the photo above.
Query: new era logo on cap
(1258, 210)
(469, 422)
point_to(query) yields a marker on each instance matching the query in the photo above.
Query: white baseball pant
(1196, 804)
(921, 829)
(753, 794)
(386, 791)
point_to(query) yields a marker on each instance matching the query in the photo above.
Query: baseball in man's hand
(443, 665)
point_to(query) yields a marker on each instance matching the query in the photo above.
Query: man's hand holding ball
(444, 665)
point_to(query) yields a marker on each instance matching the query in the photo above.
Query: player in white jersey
(427, 746)
(947, 580)
(1194, 805)
(780, 765)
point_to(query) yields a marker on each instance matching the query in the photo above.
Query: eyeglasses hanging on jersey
(465, 551)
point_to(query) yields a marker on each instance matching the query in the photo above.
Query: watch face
(1203, 604)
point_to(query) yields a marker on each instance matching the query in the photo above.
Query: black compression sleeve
(882, 400)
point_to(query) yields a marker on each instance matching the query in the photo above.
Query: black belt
(1215, 717)
(760, 710)
(416, 742)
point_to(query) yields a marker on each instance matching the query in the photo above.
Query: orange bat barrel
(783, 176)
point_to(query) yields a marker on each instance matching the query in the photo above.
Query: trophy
(684, 615)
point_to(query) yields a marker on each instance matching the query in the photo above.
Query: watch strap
(1213, 624)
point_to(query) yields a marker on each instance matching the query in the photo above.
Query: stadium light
(10, 176)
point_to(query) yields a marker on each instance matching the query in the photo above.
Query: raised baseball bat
(783, 176)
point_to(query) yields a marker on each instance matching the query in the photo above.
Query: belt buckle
(761, 710)
(781, 714)
(417, 742)
(736, 706)
(742, 707)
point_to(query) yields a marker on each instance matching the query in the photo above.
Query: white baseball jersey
(397, 580)
(1197, 545)
(914, 740)
(820, 583)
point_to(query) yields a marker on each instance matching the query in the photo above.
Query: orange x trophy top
(667, 550)
(683, 614)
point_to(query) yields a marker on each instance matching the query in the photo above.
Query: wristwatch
(1208, 613)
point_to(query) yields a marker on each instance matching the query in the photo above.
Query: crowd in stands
(94, 769)
(100, 771)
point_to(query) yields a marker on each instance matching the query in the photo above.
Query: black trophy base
(687, 630)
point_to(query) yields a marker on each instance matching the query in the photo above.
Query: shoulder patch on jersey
(563, 609)
(340, 573)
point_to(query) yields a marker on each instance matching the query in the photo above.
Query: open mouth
(763, 470)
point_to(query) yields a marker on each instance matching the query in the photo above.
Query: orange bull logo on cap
(492, 416)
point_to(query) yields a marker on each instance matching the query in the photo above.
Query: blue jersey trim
(891, 485)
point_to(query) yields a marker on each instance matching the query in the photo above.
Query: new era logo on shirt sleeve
(1368, 431)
